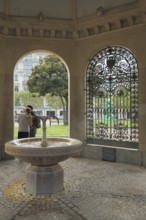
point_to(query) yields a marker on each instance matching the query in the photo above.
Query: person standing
(33, 128)
(24, 123)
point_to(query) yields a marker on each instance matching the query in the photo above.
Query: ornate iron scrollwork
(112, 98)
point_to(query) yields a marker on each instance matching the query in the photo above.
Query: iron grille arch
(112, 98)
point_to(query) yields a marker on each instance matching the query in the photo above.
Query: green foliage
(25, 97)
(50, 76)
(53, 101)
(121, 102)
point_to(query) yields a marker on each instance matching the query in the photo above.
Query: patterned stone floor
(93, 190)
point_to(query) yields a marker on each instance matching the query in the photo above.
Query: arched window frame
(112, 98)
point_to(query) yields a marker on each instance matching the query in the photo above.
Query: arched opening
(50, 104)
(112, 98)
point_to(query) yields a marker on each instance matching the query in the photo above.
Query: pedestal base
(44, 180)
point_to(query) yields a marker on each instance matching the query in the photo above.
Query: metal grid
(112, 98)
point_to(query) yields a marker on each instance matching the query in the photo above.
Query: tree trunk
(64, 101)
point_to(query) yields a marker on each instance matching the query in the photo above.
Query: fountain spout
(44, 141)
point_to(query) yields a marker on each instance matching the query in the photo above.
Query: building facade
(23, 69)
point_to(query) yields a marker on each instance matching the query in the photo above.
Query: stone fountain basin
(30, 150)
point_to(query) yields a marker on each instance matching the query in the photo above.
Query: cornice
(102, 22)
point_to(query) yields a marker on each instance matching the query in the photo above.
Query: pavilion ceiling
(68, 19)
(58, 9)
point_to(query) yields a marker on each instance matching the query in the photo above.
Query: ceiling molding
(41, 27)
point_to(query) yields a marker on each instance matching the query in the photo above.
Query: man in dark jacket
(33, 128)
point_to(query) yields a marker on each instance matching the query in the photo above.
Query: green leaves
(24, 98)
(50, 76)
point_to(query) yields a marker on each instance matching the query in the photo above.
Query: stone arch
(48, 52)
(112, 98)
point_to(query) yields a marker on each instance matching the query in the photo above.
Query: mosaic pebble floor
(93, 190)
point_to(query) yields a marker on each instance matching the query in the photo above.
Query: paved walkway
(94, 190)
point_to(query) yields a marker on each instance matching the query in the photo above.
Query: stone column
(77, 104)
(142, 113)
(6, 111)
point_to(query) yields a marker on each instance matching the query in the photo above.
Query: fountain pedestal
(44, 175)
(45, 179)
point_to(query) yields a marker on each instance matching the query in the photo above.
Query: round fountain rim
(15, 148)
(18, 142)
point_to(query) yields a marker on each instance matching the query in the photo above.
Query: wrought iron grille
(112, 98)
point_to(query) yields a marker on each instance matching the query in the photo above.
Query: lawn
(54, 130)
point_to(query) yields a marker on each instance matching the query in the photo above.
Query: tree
(24, 98)
(54, 101)
(50, 76)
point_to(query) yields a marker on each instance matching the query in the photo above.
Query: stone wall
(75, 43)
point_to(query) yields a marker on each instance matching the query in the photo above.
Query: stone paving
(93, 190)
